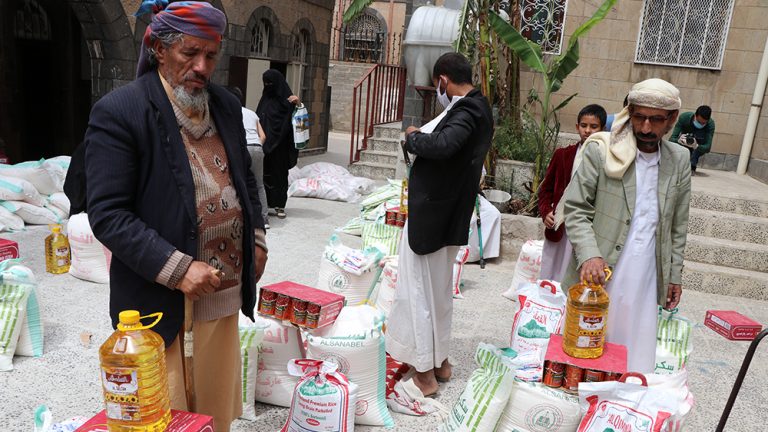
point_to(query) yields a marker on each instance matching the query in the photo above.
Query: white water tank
(430, 34)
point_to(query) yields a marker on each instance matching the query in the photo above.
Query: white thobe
(632, 290)
(419, 324)
(555, 257)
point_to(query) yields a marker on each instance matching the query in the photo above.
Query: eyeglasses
(655, 120)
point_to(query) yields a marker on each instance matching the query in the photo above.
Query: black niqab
(274, 110)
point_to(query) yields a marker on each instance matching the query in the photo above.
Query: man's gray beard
(187, 101)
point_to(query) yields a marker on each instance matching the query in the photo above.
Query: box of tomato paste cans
(732, 325)
(181, 421)
(302, 305)
(9, 249)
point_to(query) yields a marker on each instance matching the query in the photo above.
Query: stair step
(743, 206)
(389, 130)
(384, 144)
(382, 157)
(372, 170)
(729, 226)
(727, 253)
(716, 279)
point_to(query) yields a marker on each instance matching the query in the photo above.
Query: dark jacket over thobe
(553, 186)
(445, 177)
(141, 196)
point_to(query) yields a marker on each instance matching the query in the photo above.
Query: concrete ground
(66, 377)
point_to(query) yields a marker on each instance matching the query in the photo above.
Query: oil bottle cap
(56, 229)
(129, 317)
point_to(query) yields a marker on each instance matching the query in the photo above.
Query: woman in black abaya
(275, 110)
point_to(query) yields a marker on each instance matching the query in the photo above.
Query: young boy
(557, 251)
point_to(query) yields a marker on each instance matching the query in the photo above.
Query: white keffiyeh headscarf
(619, 145)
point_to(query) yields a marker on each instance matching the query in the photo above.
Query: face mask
(442, 96)
(698, 125)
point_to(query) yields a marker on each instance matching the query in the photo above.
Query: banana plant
(354, 9)
(553, 71)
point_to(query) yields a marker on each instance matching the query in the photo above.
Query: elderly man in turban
(171, 194)
(627, 208)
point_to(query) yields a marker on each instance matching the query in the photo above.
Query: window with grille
(688, 33)
(260, 39)
(300, 46)
(31, 22)
(364, 40)
(542, 22)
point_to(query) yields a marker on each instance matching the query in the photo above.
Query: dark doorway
(53, 76)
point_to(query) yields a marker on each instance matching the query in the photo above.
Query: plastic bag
(624, 406)
(384, 237)
(541, 312)
(322, 398)
(300, 127)
(458, 268)
(251, 335)
(16, 285)
(527, 268)
(674, 341)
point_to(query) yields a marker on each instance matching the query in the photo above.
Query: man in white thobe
(627, 208)
(442, 187)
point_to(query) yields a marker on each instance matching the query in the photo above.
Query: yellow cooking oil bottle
(133, 376)
(586, 317)
(57, 256)
(404, 196)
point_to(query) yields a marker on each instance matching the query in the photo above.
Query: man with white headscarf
(171, 194)
(627, 208)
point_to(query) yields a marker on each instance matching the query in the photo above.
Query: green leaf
(355, 9)
(600, 13)
(529, 52)
(564, 103)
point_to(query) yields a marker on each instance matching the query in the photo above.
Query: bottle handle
(638, 375)
(159, 316)
(548, 284)
(608, 274)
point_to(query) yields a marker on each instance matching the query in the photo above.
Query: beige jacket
(598, 211)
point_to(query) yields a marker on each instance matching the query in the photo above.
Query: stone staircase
(381, 159)
(727, 249)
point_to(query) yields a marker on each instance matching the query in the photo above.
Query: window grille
(31, 22)
(364, 40)
(300, 46)
(260, 39)
(542, 22)
(687, 33)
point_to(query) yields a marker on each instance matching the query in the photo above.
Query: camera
(690, 140)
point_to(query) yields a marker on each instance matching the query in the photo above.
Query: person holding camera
(695, 130)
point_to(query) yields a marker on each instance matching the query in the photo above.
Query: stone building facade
(57, 57)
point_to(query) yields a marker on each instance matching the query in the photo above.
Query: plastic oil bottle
(57, 254)
(586, 316)
(134, 378)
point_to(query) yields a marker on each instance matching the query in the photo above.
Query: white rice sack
(251, 335)
(35, 173)
(294, 174)
(61, 214)
(57, 170)
(385, 295)
(60, 200)
(323, 187)
(274, 385)
(318, 169)
(324, 399)
(18, 189)
(31, 337)
(355, 342)
(527, 268)
(487, 392)
(32, 214)
(361, 185)
(534, 407)
(90, 259)
(674, 342)
(355, 289)
(541, 312)
(9, 220)
(676, 384)
(15, 289)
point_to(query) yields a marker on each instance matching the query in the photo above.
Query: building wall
(342, 77)
(607, 71)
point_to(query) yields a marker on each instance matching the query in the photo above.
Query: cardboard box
(181, 421)
(322, 307)
(9, 249)
(614, 358)
(732, 325)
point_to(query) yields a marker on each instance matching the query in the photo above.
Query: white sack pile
(33, 193)
(327, 181)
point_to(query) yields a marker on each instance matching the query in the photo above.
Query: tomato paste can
(267, 302)
(573, 376)
(612, 376)
(313, 315)
(281, 306)
(299, 316)
(592, 375)
(553, 374)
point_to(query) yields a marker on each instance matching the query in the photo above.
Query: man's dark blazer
(553, 186)
(141, 196)
(445, 177)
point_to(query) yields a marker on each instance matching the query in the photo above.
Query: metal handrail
(384, 89)
(740, 380)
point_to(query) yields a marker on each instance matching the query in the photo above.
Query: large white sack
(10, 221)
(274, 385)
(540, 313)
(18, 189)
(90, 259)
(318, 169)
(324, 187)
(30, 342)
(355, 342)
(57, 168)
(534, 407)
(251, 335)
(385, 294)
(528, 267)
(16, 284)
(36, 173)
(490, 228)
(354, 288)
(32, 214)
(60, 200)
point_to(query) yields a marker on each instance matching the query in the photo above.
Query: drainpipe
(754, 113)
